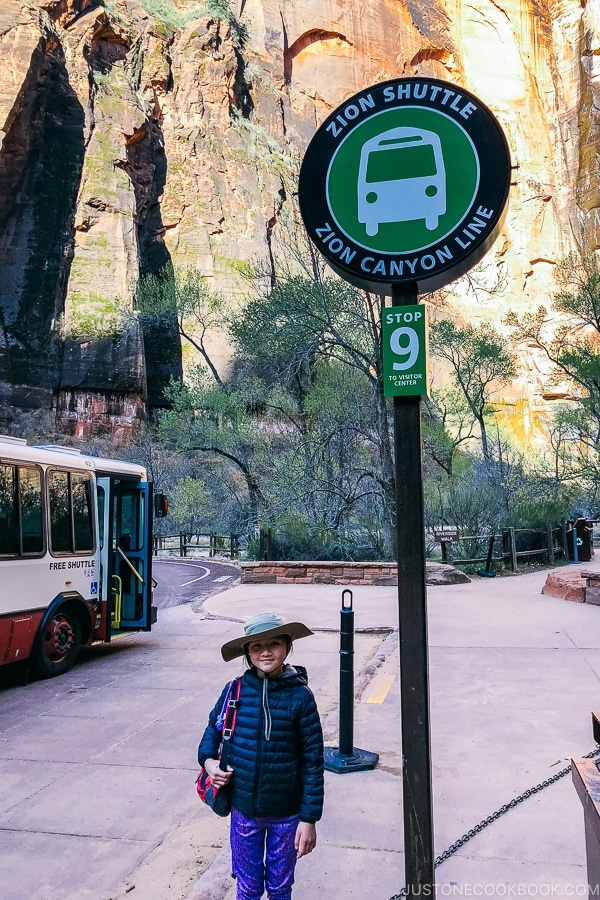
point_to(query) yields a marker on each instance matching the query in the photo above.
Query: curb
(216, 883)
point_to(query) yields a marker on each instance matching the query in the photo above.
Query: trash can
(580, 533)
(584, 531)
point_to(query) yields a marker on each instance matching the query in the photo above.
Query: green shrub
(171, 14)
(95, 316)
(178, 15)
(551, 505)
(295, 538)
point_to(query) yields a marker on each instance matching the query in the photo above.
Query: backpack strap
(229, 720)
(221, 716)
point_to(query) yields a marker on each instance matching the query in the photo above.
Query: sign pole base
(359, 761)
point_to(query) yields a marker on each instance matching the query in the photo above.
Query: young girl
(275, 760)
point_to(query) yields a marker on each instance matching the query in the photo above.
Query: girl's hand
(217, 776)
(306, 838)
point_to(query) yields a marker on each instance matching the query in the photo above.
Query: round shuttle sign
(406, 182)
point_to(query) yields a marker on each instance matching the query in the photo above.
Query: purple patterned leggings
(263, 855)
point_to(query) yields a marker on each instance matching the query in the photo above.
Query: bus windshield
(401, 162)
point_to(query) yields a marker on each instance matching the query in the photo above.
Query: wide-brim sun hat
(261, 627)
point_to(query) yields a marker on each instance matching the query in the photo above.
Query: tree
(301, 332)
(206, 414)
(300, 419)
(182, 293)
(574, 350)
(561, 428)
(480, 363)
(189, 503)
(447, 424)
(325, 470)
(207, 417)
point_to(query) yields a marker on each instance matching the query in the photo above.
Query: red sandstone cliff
(128, 142)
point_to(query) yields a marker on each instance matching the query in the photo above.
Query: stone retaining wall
(573, 583)
(379, 574)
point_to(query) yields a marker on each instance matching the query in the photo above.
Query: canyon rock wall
(138, 136)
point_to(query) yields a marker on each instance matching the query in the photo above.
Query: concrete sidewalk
(97, 797)
(514, 676)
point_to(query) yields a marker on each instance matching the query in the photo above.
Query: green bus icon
(401, 178)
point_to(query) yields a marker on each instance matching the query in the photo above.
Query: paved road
(183, 581)
(98, 766)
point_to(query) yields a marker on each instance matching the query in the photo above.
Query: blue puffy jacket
(277, 747)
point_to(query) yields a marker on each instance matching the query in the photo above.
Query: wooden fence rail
(553, 542)
(196, 543)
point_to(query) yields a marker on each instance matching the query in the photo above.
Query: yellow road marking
(381, 689)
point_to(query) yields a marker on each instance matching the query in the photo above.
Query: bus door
(125, 522)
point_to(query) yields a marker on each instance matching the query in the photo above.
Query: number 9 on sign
(404, 342)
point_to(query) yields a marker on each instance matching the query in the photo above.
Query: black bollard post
(347, 758)
(346, 727)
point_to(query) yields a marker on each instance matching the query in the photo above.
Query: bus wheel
(57, 644)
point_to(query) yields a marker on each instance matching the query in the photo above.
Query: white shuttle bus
(75, 552)
(401, 179)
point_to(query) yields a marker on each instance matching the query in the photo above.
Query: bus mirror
(161, 506)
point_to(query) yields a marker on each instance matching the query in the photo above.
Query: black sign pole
(380, 227)
(412, 616)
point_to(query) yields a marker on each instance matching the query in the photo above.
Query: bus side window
(30, 493)
(70, 513)
(81, 487)
(9, 530)
(21, 520)
(60, 513)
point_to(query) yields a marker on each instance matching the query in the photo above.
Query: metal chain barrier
(496, 815)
